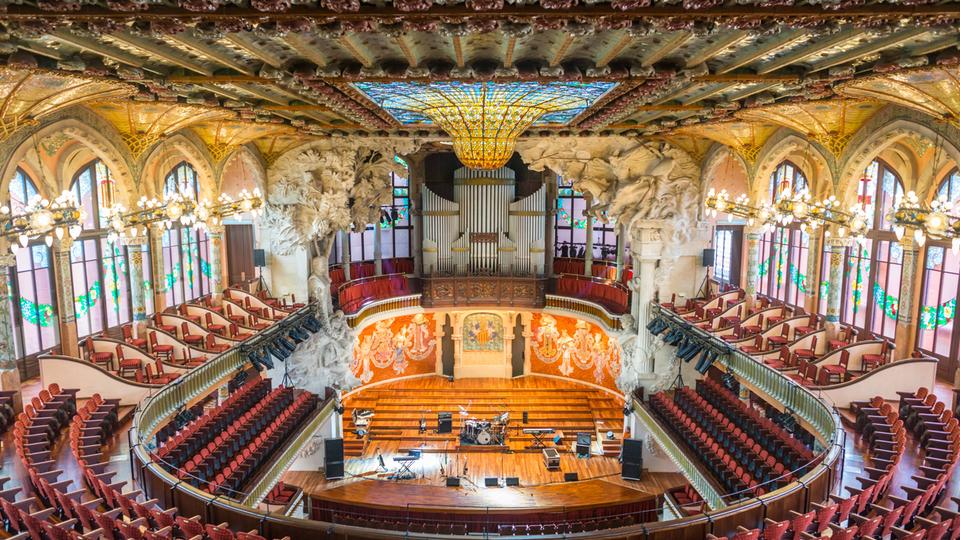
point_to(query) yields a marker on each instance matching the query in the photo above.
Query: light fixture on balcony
(938, 221)
(739, 207)
(43, 218)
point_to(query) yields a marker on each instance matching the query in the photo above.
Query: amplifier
(444, 422)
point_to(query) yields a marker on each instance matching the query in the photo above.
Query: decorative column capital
(8, 259)
(136, 241)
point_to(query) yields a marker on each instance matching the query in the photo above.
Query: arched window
(570, 227)
(186, 251)
(787, 176)
(936, 333)
(182, 179)
(872, 270)
(784, 253)
(31, 284)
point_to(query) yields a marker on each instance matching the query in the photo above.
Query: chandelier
(484, 119)
(938, 221)
(42, 217)
(791, 208)
(175, 208)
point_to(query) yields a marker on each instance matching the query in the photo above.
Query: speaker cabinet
(444, 422)
(259, 258)
(453, 481)
(570, 477)
(708, 256)
(526, 417)
(583, 444)
(631, 471)
(333, 458)
(632, 459)
(512, 481)
(491, 482)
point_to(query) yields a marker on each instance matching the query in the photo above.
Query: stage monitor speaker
(583, 444)
(570, 477)
(512, 481)
(444, 422)
(491, 482)
(259, 258)
(333, 459)
(631, 471)
(453, 481)
(526, 417)
(708, 255)
(633, 451)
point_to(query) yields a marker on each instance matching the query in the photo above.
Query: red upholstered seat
(103, 359)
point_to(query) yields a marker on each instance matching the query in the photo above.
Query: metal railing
(379, 307)
(583, 307)
(681, 459)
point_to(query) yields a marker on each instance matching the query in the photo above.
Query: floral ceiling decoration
(484, 119)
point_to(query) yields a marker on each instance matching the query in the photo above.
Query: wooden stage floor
(562, 405)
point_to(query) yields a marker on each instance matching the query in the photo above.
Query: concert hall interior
(384, 269)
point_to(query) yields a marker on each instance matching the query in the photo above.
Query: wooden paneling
(239, 240)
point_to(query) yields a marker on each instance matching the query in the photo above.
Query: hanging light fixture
(42, 218)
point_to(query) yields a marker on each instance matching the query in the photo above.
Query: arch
(718, 159)
(252, 165)
(891, 136)
(61, 142)
(811, 158)
(165, 155)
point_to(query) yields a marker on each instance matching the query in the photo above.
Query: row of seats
(360, 270)
(786, 447)
(183, 445)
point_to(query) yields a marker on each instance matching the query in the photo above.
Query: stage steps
(398, 412)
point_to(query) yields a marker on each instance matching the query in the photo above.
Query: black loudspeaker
(512, 481)
(491, 482)
(259, 258)
(453, 481)
(708, 257)
(583, 444)
(632, 459)
(444, 422)
(333, 458)
(570, 477)
(526, 417)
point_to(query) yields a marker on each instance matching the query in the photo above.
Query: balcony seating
(355, 294)
(782, 339)
(161, 352)
(873, 361)
(103, 359)
(755, 347)
(139, 342)
(212, 327)
(235, 333)
(838, 371)
(158, 323)
(807, 354)
(194, 340)
(784, 361)
(159, 376)
(128, 366)
(210, 344)
(808, 328)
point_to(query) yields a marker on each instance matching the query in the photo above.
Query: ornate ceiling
(271, 71)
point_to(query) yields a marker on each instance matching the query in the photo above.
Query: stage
(566, 406)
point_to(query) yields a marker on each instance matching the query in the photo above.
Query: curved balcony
(598, 269)
(354, 295)
(613, 296)
(360, 270)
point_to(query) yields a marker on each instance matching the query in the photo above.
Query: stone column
(753, 236)
(135, 250)
(415, 183)
(9, 372)
(215, 235)
(835, 287)
(647, 248)
(621, 251)
(156, 231)
(549, 238)
(911, 280)
(66, 312)
(588, 251)
(345, 253)
(377, 249)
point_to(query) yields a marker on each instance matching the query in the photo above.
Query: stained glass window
(570, 227)
(784, 252)
(183, 180)
(787, 176)
(33, 310)
(727, 242)
(186, 257)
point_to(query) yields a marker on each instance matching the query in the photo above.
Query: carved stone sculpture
(324, 359)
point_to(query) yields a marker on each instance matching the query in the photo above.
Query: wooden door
(239, 240)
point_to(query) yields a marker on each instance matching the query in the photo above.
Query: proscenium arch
(167, 154)
(86, 133)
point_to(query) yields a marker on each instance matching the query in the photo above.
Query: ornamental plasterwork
(810, 157)
(327, 186)
(324, 359)
(630, 180)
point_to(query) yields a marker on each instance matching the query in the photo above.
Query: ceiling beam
(774, 44)
(297, 108)
(871, 47)
(210, 52)
(625, 40)
(561, 51)
(814, 47)
(37, 48)
(458, 50)
(710, 92)
(672, 43)
(726, 40)
(304, 49)
(408, 53)
(173, 56)
(508, 54)
(107, 51)
(935, 45)
(246, 44)
(355, 51)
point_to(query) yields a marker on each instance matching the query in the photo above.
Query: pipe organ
(484, 231)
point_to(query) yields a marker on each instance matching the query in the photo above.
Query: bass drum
(484, 437)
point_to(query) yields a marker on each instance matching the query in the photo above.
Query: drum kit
(485, 432)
